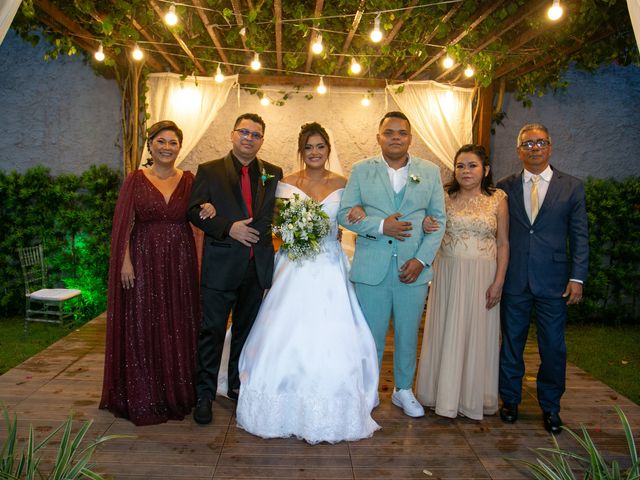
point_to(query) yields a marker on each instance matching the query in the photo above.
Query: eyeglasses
(540, 143)
(244, 133)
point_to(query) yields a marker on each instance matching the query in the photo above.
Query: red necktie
(245, 186)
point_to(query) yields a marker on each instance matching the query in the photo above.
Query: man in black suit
(547, 211)
(237, 264)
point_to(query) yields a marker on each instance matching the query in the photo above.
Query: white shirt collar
(401, 168)
(546, 174)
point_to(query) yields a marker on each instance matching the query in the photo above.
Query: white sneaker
(407, 402)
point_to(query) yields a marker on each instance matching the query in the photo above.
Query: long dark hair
(486, 186)
(307, 130)
(155, 129)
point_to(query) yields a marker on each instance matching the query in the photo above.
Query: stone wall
(56, 113)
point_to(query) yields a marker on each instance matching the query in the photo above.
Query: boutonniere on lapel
(414, 178)
(265, 177)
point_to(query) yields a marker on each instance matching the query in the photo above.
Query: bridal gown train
(309, 367)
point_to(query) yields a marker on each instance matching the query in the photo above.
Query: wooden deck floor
(67, 377)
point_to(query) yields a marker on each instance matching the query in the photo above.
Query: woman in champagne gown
(458, 367)
(153, 308)
(309, 367)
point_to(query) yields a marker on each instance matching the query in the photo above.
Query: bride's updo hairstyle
(307, 130)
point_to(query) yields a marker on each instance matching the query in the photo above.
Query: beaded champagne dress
(309, 367)
(458, 367)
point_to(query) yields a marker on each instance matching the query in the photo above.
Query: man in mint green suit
(392, 261)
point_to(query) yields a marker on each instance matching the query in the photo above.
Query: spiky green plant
(554, 463)
(71, 462)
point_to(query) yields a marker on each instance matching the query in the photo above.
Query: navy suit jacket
(545, 255)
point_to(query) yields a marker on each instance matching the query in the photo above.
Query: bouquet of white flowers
(301, 224)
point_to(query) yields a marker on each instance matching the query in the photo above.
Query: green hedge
(612, 292)
(71, 216)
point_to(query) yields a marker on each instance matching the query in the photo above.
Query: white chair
(49, 305)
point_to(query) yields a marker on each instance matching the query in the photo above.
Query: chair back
(34, 271)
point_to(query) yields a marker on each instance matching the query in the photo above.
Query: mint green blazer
(369, 187)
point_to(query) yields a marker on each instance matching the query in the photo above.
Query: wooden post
(482, 124)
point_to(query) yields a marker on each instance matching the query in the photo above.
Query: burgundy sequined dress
(152, 328)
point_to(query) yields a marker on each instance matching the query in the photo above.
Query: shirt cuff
(381, 227)
(576, 280)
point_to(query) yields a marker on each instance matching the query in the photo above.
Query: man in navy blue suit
(547, 268)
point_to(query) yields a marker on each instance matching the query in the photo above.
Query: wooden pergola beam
(452, 11)
(491, 7)
(525, 13)
(352, 31)
(310, 80)
(184, 46)
(314, 34)
(161, 50)
(277, 11)
(237, 12)
(213, 34)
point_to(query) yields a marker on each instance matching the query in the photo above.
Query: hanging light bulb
(555, 11)
(99, 55)
(137, 53)
(365, 102)
(219, 78)
(376, 34)
(447, 62)
(171, 18)
(321, 88)
(264, 101)
(355, 67)
(255, 63)
(469, 71)
(317, 46)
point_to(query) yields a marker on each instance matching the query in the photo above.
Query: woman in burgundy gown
(153, 310)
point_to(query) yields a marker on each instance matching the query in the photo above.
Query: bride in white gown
(309, 367)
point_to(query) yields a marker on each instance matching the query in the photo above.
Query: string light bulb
(99, 55)
(317, 46)
(171, 18)
(264, 101)
(219, 78)
(469, 71)
(321, 88)
(365, 102)
(376, 33)
(555, 11)
(355, 67)
(447, 62)
(255, 63)
(137, 53)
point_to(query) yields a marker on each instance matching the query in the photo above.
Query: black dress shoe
(233, 393)
(552, 422)
(202, 412)
(509, 412)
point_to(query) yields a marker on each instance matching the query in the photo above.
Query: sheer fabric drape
(8, 9)
(634, 13)
(192, 103)
(440, 114)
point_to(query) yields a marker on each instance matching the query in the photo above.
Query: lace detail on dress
(472, 225)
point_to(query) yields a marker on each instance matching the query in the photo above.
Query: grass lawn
(15, 347)
(610, 354)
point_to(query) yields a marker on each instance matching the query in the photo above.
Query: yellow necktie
(534, 197)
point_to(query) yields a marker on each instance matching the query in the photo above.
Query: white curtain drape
(440, 114)
(8, 9)
(192, 103)
(634, 13)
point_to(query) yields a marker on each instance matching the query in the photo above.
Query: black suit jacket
(225, 260)
(543, 256)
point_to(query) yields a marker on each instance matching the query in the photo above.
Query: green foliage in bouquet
(301, 224)
(71, 216)
(556, 463)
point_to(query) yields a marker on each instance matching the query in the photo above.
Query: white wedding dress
(309, 367)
